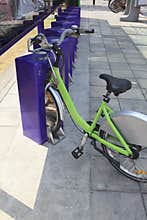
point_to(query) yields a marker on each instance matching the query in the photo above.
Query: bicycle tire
(116, 6)
(117, 159)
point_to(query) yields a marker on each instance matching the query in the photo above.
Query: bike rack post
(133, 14)
(127, 7)
(71, 45)
(40, 26)
(65, 49)
(32, 72)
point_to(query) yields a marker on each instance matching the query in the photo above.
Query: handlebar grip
(36, 40)
(66, 33)
(89, 31)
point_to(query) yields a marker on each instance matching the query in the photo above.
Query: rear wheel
(135, 169)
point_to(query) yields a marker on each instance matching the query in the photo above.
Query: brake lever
(86, 31)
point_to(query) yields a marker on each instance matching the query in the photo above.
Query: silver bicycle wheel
(135, 169)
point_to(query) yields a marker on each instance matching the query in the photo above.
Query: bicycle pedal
(77, 152)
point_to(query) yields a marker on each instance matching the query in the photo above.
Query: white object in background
(142, 2)
(24, 7)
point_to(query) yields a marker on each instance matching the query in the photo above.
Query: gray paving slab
(144, 91)
(143, 83)
(127, 45)
(116, 206)
(105, 177)
(122, 74)
(130, 30)
(136, 61)
(115, 59)
(143, 187)
(133, 105)
(60, 205)
(96, 39)
(139, 40)
(94, 49)
(117, 31)
(140, 74)
(134, 82)
(145, 200)
(134, 56)
(95, 103)
(141, 31)
(138, 67)
(98, 53)
(99, 66)
(97, 58)
(133, 94)
(97, 91)
(117, 66)
(95, 80)
(12, 206)
(63, 171)
(131, 52)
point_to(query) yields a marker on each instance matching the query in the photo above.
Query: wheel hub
(135, 154)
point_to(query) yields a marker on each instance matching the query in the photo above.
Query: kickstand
(54, 138)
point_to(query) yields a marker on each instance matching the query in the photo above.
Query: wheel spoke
(133, 168)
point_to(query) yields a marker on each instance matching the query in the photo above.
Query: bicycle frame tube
(69, 104)
(106, 111)
(90, 128)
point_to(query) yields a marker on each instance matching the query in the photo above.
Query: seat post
(107, 97)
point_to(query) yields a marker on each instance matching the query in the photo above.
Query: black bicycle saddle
(116, 85)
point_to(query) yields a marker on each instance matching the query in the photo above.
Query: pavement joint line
(133, 191)
(143, 201)
(12, 82)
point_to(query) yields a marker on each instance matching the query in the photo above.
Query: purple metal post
(40, 26)
(32, 72)
(74, 18)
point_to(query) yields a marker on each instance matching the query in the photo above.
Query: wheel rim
(51, 111)
(133, 168)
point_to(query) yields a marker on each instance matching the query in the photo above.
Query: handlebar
(55, 47)
(40, 39)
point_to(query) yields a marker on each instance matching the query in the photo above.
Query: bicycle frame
(89, 129)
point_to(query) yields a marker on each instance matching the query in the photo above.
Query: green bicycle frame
(89, 129)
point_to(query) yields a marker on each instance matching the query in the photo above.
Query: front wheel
(135, 169)
(53, 115)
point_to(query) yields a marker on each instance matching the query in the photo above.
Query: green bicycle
(122, 135)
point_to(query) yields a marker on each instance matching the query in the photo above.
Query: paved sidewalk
(45, 182)
(117, 48)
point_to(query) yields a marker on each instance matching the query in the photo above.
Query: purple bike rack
(71, 45)
(65, 49)
(32, 71)
(69, 17)
(65, 24)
